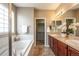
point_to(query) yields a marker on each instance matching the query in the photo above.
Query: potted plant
(68, 29)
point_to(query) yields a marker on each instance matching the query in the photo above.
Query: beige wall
(64, 7)
(77, 20)
(49, 15)
(45, 14)
(68, 14)
(77, 15)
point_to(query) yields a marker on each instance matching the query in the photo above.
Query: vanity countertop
(71, 41)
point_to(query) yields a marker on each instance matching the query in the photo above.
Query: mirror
(55, 25)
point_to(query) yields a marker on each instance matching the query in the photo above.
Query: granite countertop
(71, 41)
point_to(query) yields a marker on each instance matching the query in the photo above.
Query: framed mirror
(70, 25)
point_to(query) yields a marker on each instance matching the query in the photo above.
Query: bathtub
(23, 46)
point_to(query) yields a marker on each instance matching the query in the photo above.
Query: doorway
(40, 31)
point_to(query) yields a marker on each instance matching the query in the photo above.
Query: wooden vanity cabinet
(49, 41)
(55, 46)
(59, 48)
(52, 44)
(62, 49)
(72, 52)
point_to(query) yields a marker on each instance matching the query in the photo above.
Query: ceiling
(40, 6)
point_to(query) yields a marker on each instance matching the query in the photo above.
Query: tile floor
(40, 50)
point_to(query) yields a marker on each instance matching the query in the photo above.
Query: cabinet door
(49, 41)
(62, 49)
(72, 52)
(55, 46)
(52, 43)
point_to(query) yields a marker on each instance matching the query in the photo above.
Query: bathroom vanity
(64, 46)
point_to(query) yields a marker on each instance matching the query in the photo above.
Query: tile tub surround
(71, 41)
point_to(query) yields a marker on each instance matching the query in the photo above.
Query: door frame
(45, 40)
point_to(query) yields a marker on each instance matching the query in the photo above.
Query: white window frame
(4, 13)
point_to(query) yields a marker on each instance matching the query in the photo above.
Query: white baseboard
(46, 45)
